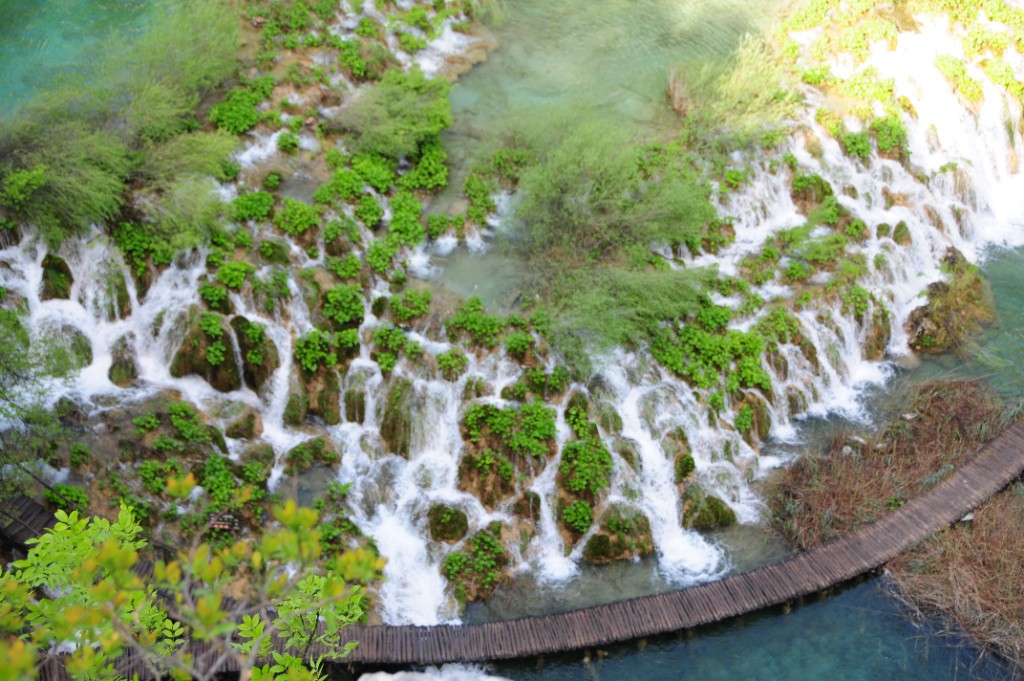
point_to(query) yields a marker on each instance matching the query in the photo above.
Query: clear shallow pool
(41, 40)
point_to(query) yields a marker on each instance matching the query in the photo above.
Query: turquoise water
(860, 634)
(41, 40)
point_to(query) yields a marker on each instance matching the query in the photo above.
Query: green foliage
(857, 144)
(19, 185)
(295, 217)
(586, 466)
(405, 111)
(452, 364)
(369, 211)
(345, 268)
(890, 135)
(431, 171)
(705, 359)
(233, 274)
(478, 192)
(313, 350)
(145, 423)
(410, 305)
(288, 142)
(518, 343)
(578, 516)
(405, 227)
(530, 429)
(744, 420)
(79, 455)
(237, 113)
(345, 184)
(67, 497)
(955, 72)
(211, 324)
(343, 304)
(380, 253)
(185, 420)
(471, 319)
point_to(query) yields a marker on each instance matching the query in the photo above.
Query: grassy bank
(969, 575)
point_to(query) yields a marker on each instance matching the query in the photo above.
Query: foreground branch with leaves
(271, 607)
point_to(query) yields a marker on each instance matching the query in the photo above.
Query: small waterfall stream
(970, 206)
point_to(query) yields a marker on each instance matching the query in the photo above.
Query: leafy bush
(518, 343)
(295, 217)
(578, 516)
(345, 184)
(406, 110)
(380, 254)
(431, 171)
(586, 466)
(471, 319)
(410, 305)
(478, 191)
(452, 364)
(405, 227)
(233, 274)
(344, 304)
(345, 268)
(253, 206)
(369, 211)
(67, 497)
(288, 142)
(237, 113)
(313, 350)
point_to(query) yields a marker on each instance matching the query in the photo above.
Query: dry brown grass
(972, 575)
(823, 497)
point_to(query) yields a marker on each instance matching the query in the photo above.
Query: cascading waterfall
(976, 203)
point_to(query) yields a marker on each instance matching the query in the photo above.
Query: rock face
(624, 533)
(303, 456)
(447, 523)
(955, 309)
(123, 371)
(323, 395)
(259, 354)
(246, 427)
(396, 425)
(57, 279)
(488, 477)
(191, 359)
(703, 511)
(355, 406)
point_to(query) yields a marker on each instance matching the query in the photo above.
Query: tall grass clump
(84, 142)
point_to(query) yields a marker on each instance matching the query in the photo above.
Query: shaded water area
(43, 40)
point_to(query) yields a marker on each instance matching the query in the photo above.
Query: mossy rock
(878, 335)
(624, 533)
(355, 406)
(57, 278)
(684, 467)
(275, 251)
(475, 388)
(396, 424)
(626, 449)
(883, 230)
(314, 451)
(447, 523)
(675, 442)
(527, 506)
(190, 359)
(119, 303)
(488, 477)
(69, 347)
(255, 373)
(261, 453)
(901, 234)
(123, 370)
(246, 427)
(955, 309)
(323, 395)
(704, 512)
(296, 409)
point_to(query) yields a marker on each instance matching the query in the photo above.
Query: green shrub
(410, 305)
(857, 144)
(369, 211)
(288, 142)
(586, 466)
(518, 343)
(343, 304)
(452, 364)
(233, 274)
(237, 113)
(380, 254)
(890, 135)
(431, 171)
(253, 206)
(295, 217)
(345, 268)
(214, 296)
(478, 192)
(67, 497)
(313, 350)
(471, 319)
(578, 516)
(406, 110)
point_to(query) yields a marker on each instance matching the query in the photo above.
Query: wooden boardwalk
(995, 466)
